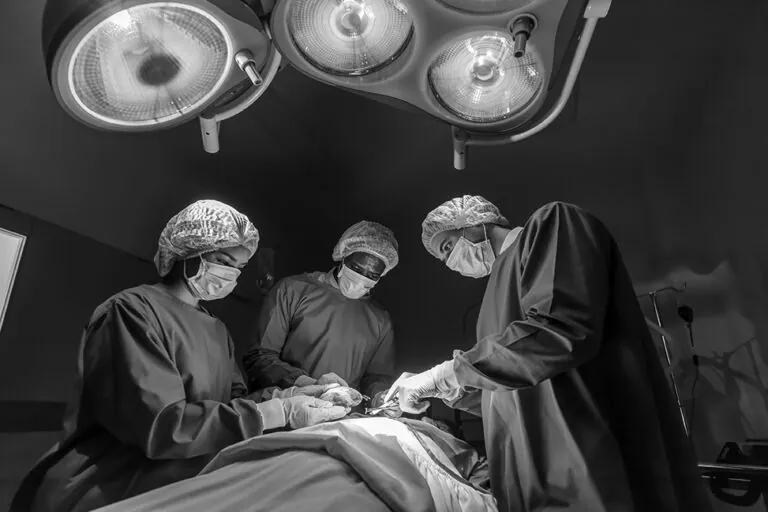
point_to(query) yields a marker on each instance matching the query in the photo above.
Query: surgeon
(576, 409)
(159, 391)
(324, 327)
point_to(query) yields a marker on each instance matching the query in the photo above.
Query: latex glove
(304, 380)
(331, 378)
(314, 390)
(378, 400)
(305, 411)
(437, 382)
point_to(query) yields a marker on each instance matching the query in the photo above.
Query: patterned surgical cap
(459, 213)
(371, 238)
(200, 228)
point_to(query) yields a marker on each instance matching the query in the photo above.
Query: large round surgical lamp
(143, 65)
(497, 71)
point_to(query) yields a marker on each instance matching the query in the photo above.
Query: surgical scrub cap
(371, 238)
(458, 213)
(200, 228)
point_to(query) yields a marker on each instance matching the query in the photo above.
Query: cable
(695, 381)
(686, 313)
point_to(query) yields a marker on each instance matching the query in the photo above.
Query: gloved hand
(305, 411)
(314, 390)
(332, 378)
(304, 380)
(437, 382)
(378, 400)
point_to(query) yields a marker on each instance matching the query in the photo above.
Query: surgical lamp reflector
(150, 64)
(479, 79)
(349, 37)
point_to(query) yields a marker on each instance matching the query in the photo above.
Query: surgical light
(349, 37)
(139, 65)
(496, 71)
(479, 79)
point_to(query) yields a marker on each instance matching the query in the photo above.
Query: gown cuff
(272, 414)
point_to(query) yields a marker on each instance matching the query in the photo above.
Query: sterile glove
(314, 390)
(331, 378)
(304, 380)
(437, 382)
(305, 411)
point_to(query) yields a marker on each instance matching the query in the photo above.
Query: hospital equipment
(496, 71)
(655, 303)
(739, 475)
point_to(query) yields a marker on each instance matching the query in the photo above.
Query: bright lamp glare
(150, 64)
(350, 37)
(480, 80)
(122, 19)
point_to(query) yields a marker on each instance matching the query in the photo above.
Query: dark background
(667, 144)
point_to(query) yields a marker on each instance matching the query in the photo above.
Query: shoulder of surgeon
(556, 207)
(143, 300)
(323, 279)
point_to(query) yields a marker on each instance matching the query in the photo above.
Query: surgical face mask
(352, 284)
(213, 281)
(470, 259)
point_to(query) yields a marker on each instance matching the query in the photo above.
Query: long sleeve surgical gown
(574, 400)
(157, 398)
(308, 327)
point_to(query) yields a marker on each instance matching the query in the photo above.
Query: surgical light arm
(595, 10)
(210, 126)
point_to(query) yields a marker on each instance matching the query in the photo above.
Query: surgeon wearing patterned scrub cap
(159, 390)
(576, 408)
(324, 327)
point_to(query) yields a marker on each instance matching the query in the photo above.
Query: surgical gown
(157, 398)
(574, 400)
(308, 327)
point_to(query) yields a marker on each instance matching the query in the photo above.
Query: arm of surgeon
(379, 373)
(262, 362)
(145, 404)
(564, 286)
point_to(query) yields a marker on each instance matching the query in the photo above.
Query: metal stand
(655, 303)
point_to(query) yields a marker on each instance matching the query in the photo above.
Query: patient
(357, 463)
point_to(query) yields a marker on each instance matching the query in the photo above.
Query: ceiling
(307, 160)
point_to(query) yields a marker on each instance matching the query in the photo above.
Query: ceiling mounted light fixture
(139, 65)
(497, 71)
(350, 37)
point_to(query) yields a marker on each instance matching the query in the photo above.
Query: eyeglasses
(353, 265)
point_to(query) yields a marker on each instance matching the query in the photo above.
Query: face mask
(213, 281)
(352, 284)
(472, 260)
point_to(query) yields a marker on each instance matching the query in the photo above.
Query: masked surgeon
(159, 391)
(324, 327)
(565, 375)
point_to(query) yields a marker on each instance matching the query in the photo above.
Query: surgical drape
(574, 401)
(157, 398)
(307, 327)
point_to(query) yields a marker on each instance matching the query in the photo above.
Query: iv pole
(655, 303)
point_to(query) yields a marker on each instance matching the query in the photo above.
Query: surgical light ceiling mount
(143, 65)
(496, 71)
(485, 67)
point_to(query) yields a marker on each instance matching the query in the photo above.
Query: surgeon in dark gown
(159, 391)
(326, 327)
(574, 400)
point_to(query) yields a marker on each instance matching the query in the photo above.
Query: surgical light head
(142, 65)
